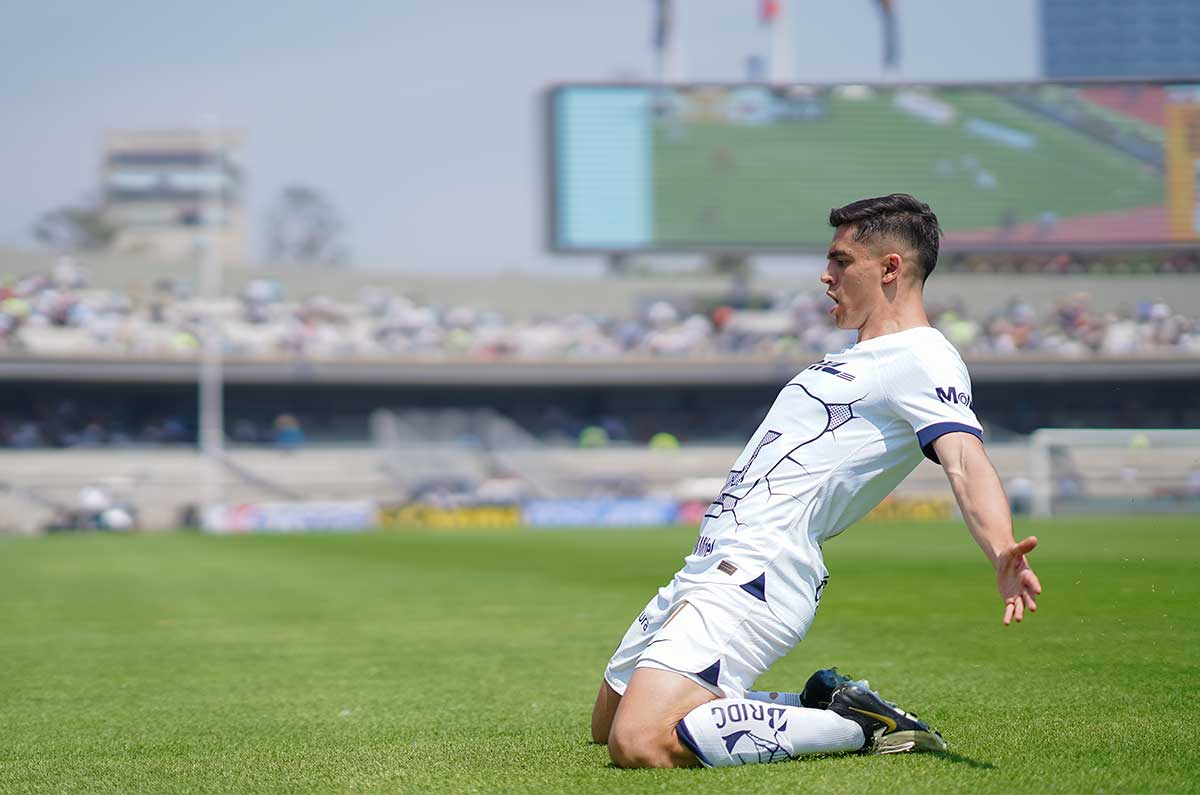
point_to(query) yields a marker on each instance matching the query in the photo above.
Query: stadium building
(162, 187)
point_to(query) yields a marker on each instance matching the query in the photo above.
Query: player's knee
(635, 747)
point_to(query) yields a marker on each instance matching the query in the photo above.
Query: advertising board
(291, 517)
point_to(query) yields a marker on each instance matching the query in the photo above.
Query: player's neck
(890, 319)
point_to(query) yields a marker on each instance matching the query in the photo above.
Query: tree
(304, 228)
(74, 228)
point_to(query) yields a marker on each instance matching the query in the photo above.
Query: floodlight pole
(211, 419)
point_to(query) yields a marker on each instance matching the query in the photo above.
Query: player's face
(852, 279)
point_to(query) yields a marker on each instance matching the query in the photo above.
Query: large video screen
(757, 168)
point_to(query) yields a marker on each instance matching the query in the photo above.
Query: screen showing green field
(751, 167)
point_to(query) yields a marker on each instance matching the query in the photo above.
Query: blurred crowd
(58, 314)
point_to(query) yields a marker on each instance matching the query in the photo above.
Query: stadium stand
(104, 353)
(58, 314)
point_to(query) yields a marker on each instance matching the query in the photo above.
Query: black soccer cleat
(888, 729)
(818, 690)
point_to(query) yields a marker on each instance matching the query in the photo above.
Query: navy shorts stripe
(757, 587)
(711, 674)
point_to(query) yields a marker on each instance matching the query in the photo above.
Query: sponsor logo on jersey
(831, 368)
(952, 395)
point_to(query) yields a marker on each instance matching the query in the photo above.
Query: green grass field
(784, 177)
(418, 662)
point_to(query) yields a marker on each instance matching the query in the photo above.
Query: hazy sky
(421, 120)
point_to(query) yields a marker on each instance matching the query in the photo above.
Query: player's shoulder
(934, 343)
(923, 344)
(921, 355)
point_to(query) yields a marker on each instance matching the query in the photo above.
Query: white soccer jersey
(841, 435)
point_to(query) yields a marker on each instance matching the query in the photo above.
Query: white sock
(775, 697)
(737, 731)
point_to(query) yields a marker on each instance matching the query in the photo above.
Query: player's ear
(891, 268)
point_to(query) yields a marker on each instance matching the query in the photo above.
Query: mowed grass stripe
(415, 661)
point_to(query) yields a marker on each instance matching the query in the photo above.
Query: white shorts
(718, 635)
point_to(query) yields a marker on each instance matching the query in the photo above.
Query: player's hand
(1017, 583)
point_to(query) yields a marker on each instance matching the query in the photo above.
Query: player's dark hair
(896, 215)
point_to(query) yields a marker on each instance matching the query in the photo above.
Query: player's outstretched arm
(985, 509)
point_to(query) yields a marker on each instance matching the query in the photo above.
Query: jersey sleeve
(932, 393)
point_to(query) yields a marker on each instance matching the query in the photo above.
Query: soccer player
(840, 436)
